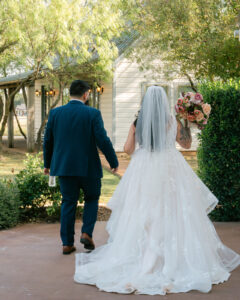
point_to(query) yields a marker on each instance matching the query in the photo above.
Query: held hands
(114, 171)
(46, 171)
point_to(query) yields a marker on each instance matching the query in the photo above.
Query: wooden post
(11, 128)
(30, 119)
(11, 122)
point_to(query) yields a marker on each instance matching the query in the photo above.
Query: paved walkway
(33, 267)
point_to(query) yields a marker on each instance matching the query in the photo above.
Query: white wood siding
(106, 108)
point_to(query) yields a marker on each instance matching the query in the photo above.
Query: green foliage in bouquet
(9, 204)
(219, 149)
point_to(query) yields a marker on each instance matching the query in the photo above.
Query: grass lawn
(109, 183)
(11, 160)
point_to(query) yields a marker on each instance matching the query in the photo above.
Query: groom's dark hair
(78, 88)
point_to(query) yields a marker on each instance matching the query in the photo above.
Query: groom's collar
(76, 101)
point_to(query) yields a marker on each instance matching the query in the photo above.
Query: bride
(160, 237)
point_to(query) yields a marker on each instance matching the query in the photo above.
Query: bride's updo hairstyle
(154, 124)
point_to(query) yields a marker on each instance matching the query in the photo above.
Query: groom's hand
(46, 171)
(114, 171)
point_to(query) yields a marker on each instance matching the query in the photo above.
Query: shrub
(37, 198)
(219, 149)
(35, 194)
(9, 204)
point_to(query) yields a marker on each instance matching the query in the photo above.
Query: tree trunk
(5, 114)
(19, 125)
(30, 119)
(1, 145)
(194, 88)
(40, 131)
(11, 125)
(1, 108)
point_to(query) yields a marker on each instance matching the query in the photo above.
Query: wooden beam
(30, 119)
(8, 86)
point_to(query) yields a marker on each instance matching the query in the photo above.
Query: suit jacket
(73, 133)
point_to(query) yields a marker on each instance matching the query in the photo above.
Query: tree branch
(194, 88)
(19, 125)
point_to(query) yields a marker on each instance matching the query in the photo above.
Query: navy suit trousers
(70, 188)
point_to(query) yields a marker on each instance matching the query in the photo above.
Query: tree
(59, 37)
(189, 36)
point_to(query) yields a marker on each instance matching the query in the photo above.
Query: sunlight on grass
(11, 161)
(109, 184)
(14, 161)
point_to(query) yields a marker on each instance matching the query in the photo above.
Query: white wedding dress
(160, 237)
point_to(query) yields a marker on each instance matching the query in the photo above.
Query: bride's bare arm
(129, 146)
(184, 137)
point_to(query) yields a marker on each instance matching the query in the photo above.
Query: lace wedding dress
(160, 237)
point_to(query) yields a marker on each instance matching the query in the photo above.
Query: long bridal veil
(156, 127)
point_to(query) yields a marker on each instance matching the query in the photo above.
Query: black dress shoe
(87, 241)
(68, 249)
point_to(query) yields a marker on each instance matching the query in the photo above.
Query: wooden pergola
(9, 84)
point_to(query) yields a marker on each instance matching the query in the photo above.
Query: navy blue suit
(73, 134)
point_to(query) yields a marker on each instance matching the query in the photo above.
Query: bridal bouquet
(191, 107)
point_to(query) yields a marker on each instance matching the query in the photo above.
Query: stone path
(33, 267)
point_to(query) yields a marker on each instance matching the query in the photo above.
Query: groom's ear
(86, 95)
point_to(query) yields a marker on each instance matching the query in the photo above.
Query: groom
(73, 133)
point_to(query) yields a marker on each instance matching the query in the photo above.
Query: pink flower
(186, 102)
(197, 112)
(206, 108)
(199, 117)
(190, 95)
(180, 101)
(176, 108)
(191, 118)
(198, 97)
(204, 121)
(181, 109)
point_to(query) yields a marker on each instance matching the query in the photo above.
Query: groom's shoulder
(93, 111)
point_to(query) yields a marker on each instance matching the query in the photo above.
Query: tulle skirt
(160, 237)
